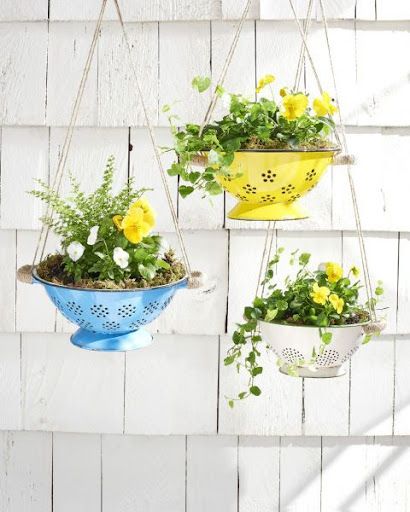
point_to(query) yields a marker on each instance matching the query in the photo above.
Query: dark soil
(359, 317)
(52, 269)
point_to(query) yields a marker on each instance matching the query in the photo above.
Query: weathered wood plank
(34, 310)
(382, 256)
(144, 169)
(23, 62)
(24, 158)
(282, 10)
(233, 9)
(300, 474)
(381, 98)
(278, 411)
(71, 40)
(68, 389)
(392, 10)
(203, 310)
(372, 388)
(169, 394)
(143, 473)
(10, 399)
(184, 52)
(25, 472)
(352, 455)
(8, 243)
(117, 91)
(24, 11)
(212, 474)
(258, 470)
(137, 10)
(401, 390)
(76, 472)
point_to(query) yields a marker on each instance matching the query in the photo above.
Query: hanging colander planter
(269, 183)
(110, 320)
(112, 275)
(294, 346)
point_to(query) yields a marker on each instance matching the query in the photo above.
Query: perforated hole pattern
(349, 354)
(110, 319)
(328, 358)
(291, 355)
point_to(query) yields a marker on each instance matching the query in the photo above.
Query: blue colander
(110, 320)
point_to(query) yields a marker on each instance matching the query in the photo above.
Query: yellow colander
(268, 183)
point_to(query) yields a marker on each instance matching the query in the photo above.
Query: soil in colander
(52, 269)
(358, 317)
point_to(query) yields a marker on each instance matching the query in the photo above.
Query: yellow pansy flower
(264, 81)
(337, 302)
(324, 105)
(294, 105)
(149, 214)
(334, 272)
(283, 92)
(320, 294)
(355, 271)
(138, 221)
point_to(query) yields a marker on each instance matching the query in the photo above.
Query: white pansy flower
(92, 237)
(121, 257)
(163, 248)
(75, 250)
(226, 100)
(213, 157)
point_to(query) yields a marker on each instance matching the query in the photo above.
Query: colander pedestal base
(319, 373)
(111, 342)
(262, 211)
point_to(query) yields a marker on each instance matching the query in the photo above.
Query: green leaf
(175, 169)
(231, 404)
(366, 339)
(185, 190)
(147, 271)
(257, 371)
(162, 264)
(213, 188)
(304, 258)
(166, 108)
(255, 390)
(201, 83)
(229, 360)
(327, 337)
(271, 315)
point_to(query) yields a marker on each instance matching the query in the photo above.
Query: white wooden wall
(150, 430)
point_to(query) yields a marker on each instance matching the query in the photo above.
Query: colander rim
(129, 290)
(335, 149)
(344, 326)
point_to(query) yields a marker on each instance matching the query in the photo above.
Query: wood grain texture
(300, 474)
(118, 102)
(24, 11)
(278, 411)
(67, 389)
(233, 9)
(401, 390)
(282, 10)
(34, 310)
(381, 100)
(171, 386)
(382, 254)
(258, 471)
(143, 473)
(23, 62)
(25, 471)
(144, 169)
(10, 397)
(200, 310)
(372, 388)
(137, 10)
(71, 40)
(24, 158)
(76, 472)
(184, 52)
(212, 474)
(8, 256)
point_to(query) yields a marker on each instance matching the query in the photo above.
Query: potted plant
(267, 153)
(313, 323)
(112, 275)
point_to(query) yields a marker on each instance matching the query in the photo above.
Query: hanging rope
(301, 60)
(343, 143)
(56, 183)
(140, 96)
(228, 60)
(267, 250)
